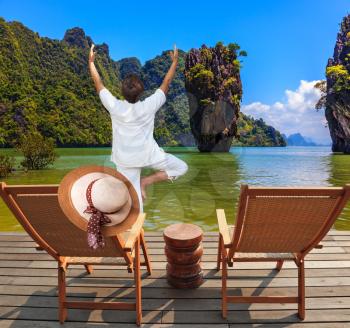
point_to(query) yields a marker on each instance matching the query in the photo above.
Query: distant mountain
(45, 86)
(297, 139)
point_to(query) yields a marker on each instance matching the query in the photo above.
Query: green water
(212, 181)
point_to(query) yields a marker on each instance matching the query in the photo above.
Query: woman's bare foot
(148, 180)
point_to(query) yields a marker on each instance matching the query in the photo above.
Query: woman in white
(133, 144)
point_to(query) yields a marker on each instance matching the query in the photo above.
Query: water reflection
(292, 166)
(340, 175)
(213, 180)
(211, 183)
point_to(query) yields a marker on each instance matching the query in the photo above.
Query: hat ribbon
(97, 219)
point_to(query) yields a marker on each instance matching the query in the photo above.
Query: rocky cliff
(45, 86)
(173, 120)
(337, 100)
(129, 65)
(214, 91)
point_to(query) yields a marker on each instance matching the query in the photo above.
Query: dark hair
(132, 87)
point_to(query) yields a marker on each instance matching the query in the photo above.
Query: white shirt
(133, 144)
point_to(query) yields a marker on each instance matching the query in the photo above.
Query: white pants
(171, 165)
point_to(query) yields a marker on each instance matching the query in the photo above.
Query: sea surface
(213, 180)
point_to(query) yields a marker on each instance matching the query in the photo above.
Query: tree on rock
(337, 97)
(213, 84)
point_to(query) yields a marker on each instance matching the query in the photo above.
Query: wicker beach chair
(37, 209)
(277, 224)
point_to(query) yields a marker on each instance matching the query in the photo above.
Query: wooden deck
(28, 280)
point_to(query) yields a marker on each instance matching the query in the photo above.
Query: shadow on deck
(28, 289)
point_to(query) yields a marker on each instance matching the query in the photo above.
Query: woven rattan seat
(262, 256)
(96, 260)
(277, 224)
(37, 209)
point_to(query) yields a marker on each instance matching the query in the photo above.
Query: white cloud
(296, 113)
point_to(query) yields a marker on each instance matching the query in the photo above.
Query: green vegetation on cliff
(212, 78)
(173, 121)
(336, 91)
(341, 77)
(338, 68)
(45, 87)
(254, 132)
(172, 125)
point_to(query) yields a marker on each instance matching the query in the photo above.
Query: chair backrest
(37, 209)
(292, 220)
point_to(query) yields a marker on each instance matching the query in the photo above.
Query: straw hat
(107, 190)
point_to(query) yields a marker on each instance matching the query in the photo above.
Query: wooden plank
(332, 232)
(161, 283)
(169, 304)
(160, 244)
(186, 317)
(340, 237)
(29, 313)
(295, 325)
(28, 289)
(158, 237)
(13, 233)
(162, 258)
(169, 292)
(160, 250)
(55, 324)
(161, 274)
(153, 237)
(51, 324)
(205, 265)
(313, 316)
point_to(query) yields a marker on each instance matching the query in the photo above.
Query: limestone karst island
(170, 164)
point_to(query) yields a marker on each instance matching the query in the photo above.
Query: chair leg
(62, 310)
(89, 268)
(137, 276)
(145, 253)
(279, 265)
(218, 261)
(301, 290)
(224, 282)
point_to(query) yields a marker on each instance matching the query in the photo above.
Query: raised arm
(93, 71)
(169, 76)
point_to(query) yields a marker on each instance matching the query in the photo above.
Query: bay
(212, 182)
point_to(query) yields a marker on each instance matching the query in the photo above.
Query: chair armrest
(223, 227)
(134, 232)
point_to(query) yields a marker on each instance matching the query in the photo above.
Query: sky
(288, 42)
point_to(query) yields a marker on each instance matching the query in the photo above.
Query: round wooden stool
(184, 250)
